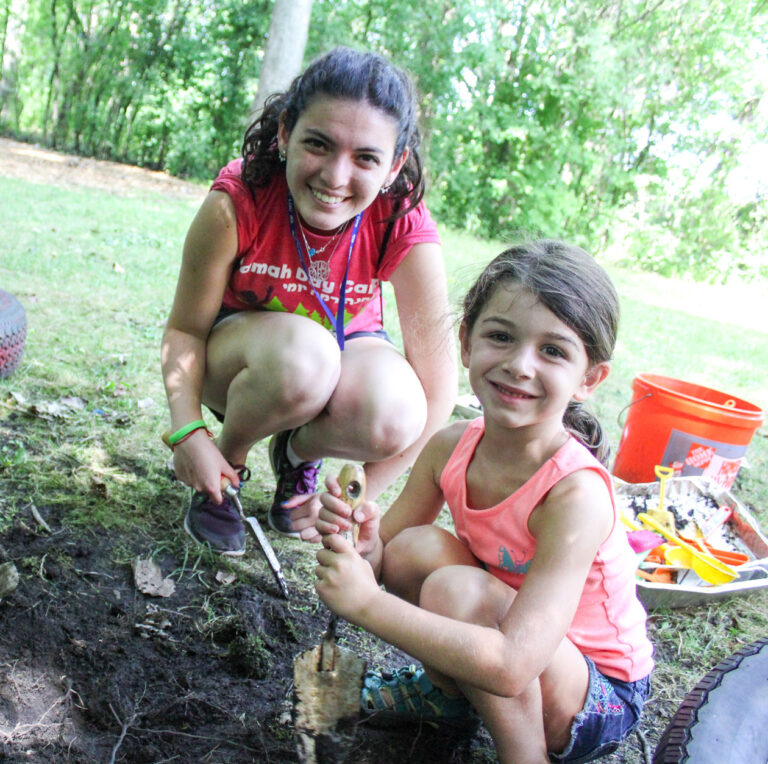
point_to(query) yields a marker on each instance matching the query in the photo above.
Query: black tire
(13, 333)
(724, 718)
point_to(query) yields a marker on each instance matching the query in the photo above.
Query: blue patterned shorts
(611, 711)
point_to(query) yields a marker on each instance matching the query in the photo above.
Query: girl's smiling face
(339, 155)
(525, 365)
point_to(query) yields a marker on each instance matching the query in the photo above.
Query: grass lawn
(96, 273)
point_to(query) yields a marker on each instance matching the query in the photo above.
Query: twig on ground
(39, 519)
(644, 747)
(20, 730)
(41, 571)
(10, 676)
(209, 738)
(125, 724)
(72, 692)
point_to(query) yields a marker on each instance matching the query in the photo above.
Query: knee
(306, 371)
(447, 592)
(466, 594)
(402, 562)
(407, 548)
(415, 553)
(390, 434)
(389, 425)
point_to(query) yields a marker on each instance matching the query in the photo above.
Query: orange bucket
(693, 429)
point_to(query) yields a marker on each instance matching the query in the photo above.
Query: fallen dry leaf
(149, 578)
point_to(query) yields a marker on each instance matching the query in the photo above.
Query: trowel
(328, 679)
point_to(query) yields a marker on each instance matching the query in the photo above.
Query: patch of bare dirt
(37, 164)
(92, 670)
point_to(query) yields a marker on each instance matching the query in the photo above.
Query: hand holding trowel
(252, 524)
(328, 679)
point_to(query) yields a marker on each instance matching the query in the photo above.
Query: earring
(281, 154)
(384, 189)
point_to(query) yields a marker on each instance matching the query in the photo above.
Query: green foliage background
(614, 123)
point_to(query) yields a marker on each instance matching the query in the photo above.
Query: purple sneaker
(218, 525)
(291, 481)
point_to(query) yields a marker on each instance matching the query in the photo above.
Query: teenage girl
(276, 325)
(528, 615)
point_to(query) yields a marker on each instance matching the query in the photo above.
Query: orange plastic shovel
(705, 566)
(727, 556)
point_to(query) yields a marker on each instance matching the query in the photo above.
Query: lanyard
(338, 321)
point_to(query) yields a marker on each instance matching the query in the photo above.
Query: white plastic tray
(741, 533)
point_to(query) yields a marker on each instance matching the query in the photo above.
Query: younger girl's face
(525, 365)
(339, 155)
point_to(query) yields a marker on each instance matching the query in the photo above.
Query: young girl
(528, 614)
(276, 325)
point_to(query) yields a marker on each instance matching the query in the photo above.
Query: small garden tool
(704, 565)
(328, 679)
(252, 524)
(663, 516)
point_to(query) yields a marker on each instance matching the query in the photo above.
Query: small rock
(9, 579)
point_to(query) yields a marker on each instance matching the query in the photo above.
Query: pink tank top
(609, 624)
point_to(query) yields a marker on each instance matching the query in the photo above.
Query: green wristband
(182, 432)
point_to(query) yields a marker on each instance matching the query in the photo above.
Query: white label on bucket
(710, 459)
(723, 471)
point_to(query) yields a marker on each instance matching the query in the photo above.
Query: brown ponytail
(586, 428)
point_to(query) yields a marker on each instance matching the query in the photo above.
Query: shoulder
(443, 443)
(230, 176)
(417, 220)
(255, 210)
(581, 500)
(450, 435)
(585, 483)
(216, 215)
(230, 181)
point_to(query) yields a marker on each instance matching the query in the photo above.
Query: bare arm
(421, 499)
(422, 305)
(209, 251)
(569, 528)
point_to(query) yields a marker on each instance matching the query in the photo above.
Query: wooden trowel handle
(352, 482)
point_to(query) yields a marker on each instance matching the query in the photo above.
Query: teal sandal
(407, 696)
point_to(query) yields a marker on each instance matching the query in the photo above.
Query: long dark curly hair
(348, 74)
(570, 283)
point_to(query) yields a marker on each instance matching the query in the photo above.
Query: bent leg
(538, 719)
(267, 371)
(415, 553)
(377, 408)
(270, 371)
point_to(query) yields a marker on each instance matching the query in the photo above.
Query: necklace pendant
(312, 251)
(319, 272)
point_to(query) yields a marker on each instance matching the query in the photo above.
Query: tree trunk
(284, 54)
